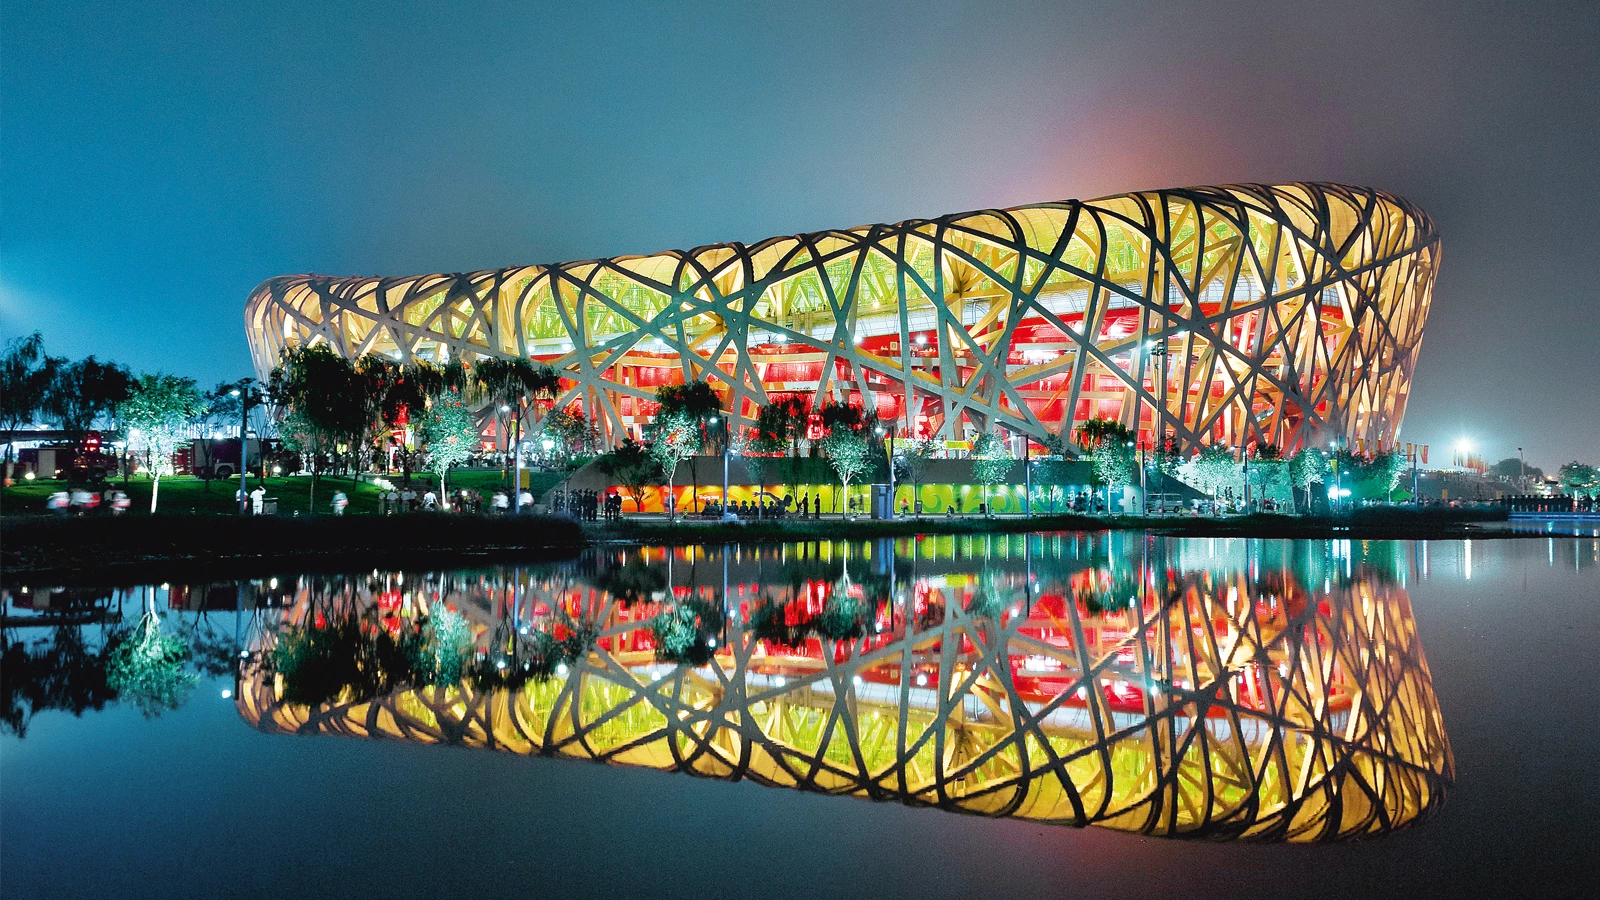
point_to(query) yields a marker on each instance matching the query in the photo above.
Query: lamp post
(248, 396)
(879, 432)
(1244, 451)
(1144, 485)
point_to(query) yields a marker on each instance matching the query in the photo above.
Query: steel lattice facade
(1242, 315)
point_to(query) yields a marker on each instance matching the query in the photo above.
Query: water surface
(404, 732)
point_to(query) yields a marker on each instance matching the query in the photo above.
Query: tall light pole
(879, 432)
(248, 396)
(1144, 487)
(1523, 463)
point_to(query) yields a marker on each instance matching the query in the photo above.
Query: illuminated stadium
(1241, 315)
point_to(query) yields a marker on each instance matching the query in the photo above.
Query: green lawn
(183, 494)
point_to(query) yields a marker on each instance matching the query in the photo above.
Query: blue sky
(157, 161)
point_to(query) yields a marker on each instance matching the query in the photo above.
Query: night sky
(157, 162)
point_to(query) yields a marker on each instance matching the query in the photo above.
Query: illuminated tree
(449, 434)
(156, 414)
(991, 463)
(672, 438)
(509, 384)
(1579, 480)
(1212, 471)
(911, 458)
(848, 443)
(633, 467)
(1309, 466)
(1114, 463)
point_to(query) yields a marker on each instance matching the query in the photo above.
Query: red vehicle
(84, 460)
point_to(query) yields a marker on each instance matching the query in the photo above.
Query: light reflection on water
(1204, 687)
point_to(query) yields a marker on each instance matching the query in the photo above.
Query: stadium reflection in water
(1205, 688)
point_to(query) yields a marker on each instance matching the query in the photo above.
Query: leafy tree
(1212, 471)
(1377, 476)
(1095, 432)
(449, 433)
(1579, 480)
(911, 459)
(697, 403)
(1511, 469)
(65, 674)
(26, 375)
(762, 455)
(1269, 478)
(509, 384)
(672, 438)
(324, 404)
(848, 442)
(82, 392)
(1307, 467)
(991, 463)
(156, 413)
(632, 466)
(685, 631)
(783, 422)
(571, 432)
(1114, 464)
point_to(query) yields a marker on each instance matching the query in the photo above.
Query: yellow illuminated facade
(1245, 315)
(1160, 699)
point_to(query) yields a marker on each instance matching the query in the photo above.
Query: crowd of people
(81, 501)
(587, 506)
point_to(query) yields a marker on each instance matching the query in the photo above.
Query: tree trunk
(155, 491)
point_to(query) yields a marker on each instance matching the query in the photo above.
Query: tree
(911, 462)
(1095, 432)
(762, 453)
(508, 384)
(632, 466)
(449, 433)
(26, 374)
(1114, 463)
(697, 403)
(783, 421)
(82, 392)
(1212, 471)
(850, 454)
(324, 404)
(1511, 469)
(847, 441)
(570, 432)
(1306, 467)
(672, 438)
(992, 462)
(1579, 480)
(1269, 478)
(156, 413)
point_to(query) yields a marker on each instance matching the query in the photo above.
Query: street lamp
(248, 396)
(879, 432)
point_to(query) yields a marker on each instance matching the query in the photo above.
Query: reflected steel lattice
(1243, 314)
(1230, 708)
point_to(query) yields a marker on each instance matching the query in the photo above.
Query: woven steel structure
(1244, 315)
(1202, 704)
